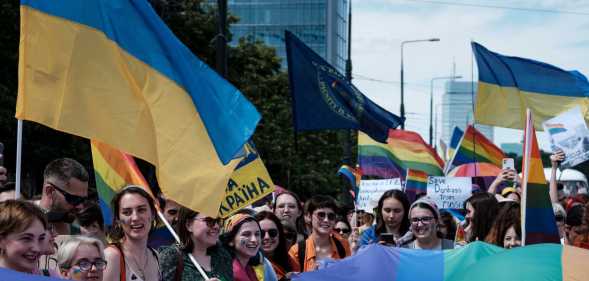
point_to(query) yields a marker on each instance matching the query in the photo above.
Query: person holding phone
(508, 175)
(392, 223)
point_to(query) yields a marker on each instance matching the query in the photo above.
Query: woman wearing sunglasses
(81, 258)
(322, 245)
(274, 243)
(198, 236)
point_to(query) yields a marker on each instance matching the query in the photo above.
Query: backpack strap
(341, 252)
(122, 269)
(302, 248)
(179, 266)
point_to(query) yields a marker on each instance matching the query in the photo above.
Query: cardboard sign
(449, 192)
(249, 183)
(568, 132)
(372, 190)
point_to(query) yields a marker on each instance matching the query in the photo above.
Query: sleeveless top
(126, 273)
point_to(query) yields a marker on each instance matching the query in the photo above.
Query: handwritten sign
(449, 192)
(372, 190)
(568, 132)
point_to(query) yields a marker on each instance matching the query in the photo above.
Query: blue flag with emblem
(323, 99)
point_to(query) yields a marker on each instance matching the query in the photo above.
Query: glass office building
(457, 109)
(321, 24)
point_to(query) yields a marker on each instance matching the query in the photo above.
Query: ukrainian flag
(112, 71)
(509, 85)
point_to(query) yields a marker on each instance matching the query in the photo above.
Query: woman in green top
(199, 235)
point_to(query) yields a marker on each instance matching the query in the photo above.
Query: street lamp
(402, 86)
(431, 103)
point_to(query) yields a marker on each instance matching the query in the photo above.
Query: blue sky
(379, 26)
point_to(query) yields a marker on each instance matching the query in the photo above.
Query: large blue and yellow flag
(509, 85)
(323, 99)
(112, 71)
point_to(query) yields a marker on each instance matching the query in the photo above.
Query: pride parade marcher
(322, 245)
(425, 218)
(81, 258)
(129, 258)
(22, 235)
(506, 230)
(199, 236)
(481, 209)
(288, 207)
(391, 218)
(274, 244)
(242, 235)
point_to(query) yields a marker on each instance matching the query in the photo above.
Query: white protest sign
(449, 192)
(372, 190)
(568, 132)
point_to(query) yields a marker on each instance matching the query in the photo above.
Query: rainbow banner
(376, 159)
(476, 261)
(111, 70)
(475, 147)
(415, 184)
(508, 85)
(538, 222)
(113, 170)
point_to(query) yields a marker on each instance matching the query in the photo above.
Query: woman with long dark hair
(506, 231)
(391, 220)
(129, 258)
(199, 236)
(481, 210)
(274, 243)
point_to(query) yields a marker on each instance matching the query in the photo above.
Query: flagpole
(18, 159)
(177, 238)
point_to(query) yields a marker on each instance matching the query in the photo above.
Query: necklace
(140, 270)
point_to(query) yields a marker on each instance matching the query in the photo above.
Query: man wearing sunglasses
(65, 188)
(323, 244)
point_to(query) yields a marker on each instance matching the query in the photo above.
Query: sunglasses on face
(211, 222)
(71, 199)
(323, 215)
(272, 232)
(342, 230)
(86, 265)
(424, 220)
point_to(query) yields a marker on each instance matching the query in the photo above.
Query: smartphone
(388, 238)
(508, 163)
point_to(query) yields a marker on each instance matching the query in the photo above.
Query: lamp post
(402, 86)
(431, 104)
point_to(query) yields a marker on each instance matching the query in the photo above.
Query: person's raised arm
(555, 159)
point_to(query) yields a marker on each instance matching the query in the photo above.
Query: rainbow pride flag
(476, 261)
(538, 222)
(113, 170)
(376, 159)
(410, 151)
(475, 147)
(111, 70)
(354, 176)
(415, 184)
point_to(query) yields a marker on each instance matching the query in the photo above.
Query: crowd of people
(62, 233)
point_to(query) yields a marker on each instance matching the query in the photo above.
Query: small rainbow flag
(114, 170)
(353, 176)
(475, 147)
(415, 184)
(538, 222)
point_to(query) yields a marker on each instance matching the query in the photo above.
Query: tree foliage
(253, 68)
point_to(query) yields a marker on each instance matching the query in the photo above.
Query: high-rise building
(457, 109)
(321, 24)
